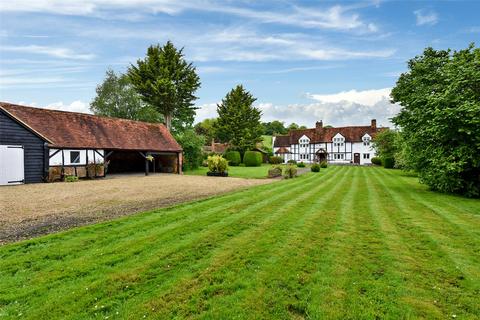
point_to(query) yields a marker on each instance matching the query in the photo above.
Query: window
(74, 157)
(366, 156)
(366, 141)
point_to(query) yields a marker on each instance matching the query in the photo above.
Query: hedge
(252, 159)
(377, 161)
(389, 163)
(315, 167)
(233, 158)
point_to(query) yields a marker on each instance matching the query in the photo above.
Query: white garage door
(11, 165)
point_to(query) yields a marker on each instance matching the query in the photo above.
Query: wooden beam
(108, 154)
(46, 162)
(86, 163)
(51, 155)
(96, 151)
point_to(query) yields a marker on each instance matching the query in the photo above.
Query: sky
(303, 60)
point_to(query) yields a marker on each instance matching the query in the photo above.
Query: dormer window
(366, 140)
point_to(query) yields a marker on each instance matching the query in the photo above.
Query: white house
(340, 145)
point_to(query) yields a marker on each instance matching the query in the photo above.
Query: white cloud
(57, 52)
(335, 17)
(425, 17)
(75, 106)
(365, 97)
(345, 108)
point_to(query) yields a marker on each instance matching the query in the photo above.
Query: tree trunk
(168, 121)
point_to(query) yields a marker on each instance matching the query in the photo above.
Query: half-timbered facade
(340, 145)
(43, 145)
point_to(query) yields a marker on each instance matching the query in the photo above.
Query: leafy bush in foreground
(301, 165)
(275, 172)
(290, 172)
(217, 164)
(315, 167)
(323, 164)
(292, 161)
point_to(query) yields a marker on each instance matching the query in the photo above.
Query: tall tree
(274, 127)
(167, 82)
(238, 120)
(207, 129)
(117, 98)
(440, 118)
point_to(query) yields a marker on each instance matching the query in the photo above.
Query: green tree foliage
(273, 128)
(167, 82)
(117, 98)
(440, 118)
(192, 144)
(238, 120)
(207, 129)
(385, 144)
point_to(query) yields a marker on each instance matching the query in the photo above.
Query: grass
(348, 242)
(238, 172)
(267, 141)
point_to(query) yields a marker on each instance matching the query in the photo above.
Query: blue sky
(303, 60)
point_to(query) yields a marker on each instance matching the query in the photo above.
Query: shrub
(275, 160)
(192, 148)
(290, 172)
(315, 167)
(323, 164)
(252, 159)
(292, 161)
(377, 161)
(233, 158)
(301, 165)
(217, 164)
(70, 179)
(275, 172)
(388, 163)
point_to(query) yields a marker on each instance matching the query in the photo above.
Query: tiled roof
(79, 130)
(319, 135)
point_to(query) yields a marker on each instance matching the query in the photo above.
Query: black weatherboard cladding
(13, 133)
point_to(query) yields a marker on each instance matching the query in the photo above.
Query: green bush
(217, 164)
(233, 158)
(252, 159)
(70, 179)
(377, 161)
(315, 167)
(290, 171)
(192, 148)
(275, 160)
(275, 172)
(292, 161)
(388, 163)
(323, 164)
(301, 165)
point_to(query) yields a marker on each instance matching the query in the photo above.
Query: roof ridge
(80, 113)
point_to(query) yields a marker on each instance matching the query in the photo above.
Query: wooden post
(46, 162)
(63, 164)
(95, 164)
(146, 164)
(86, 163)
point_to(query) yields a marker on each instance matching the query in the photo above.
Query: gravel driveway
(30, 210)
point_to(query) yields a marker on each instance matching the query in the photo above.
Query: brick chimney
(319, 125)
(374, 124)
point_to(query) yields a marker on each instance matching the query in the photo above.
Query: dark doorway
(356, 158)
(126, 162)
(321, 155)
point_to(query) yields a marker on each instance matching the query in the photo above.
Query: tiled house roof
(79, 130)
(321, 134)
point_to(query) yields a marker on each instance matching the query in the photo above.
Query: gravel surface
(31, 210)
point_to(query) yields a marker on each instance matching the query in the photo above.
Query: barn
(40, 145)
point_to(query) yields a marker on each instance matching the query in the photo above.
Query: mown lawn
(349, 242)
(238, 172)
